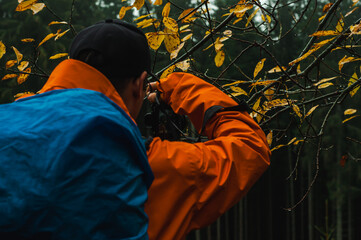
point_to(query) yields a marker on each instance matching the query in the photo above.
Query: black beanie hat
(123, 48)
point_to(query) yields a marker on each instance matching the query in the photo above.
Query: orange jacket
(196, 183)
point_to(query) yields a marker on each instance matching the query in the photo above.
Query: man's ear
(138, 85)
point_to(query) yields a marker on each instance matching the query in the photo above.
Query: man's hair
(117, 49)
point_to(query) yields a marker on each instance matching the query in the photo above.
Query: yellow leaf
(299, 68)
(269, 93)
(322, 43)
(61, 34)
(174, 54)
(219, 59)
(324, 33)
(19, 56)
(141, 17)
(265, 82)
(49, 36)
(10, 63)
(184, 13)
(340, 25)
(296, 109)
(18, 95)
(218, 45)
(324, 85)
(158, 2)
(311, 111)
(37, 7)
(167, 72)
(184, 65)
(324, 80)
(275, 103)
(276, 69)
(138, 4)
(171, 40)
(146, 23)
(171, 24)
(268, 18)
(24, 5)
(350, 12)
(256, 104)
(8, 76)
(155, 39)
(354, 2)
(278, 147)
(238, 90)
(187, 37)
(348, 119)
(259, 67)
(237, 20)
(349, 111)
(23, 65)
(352, 80)
(2, 49)
(240, 10)
(345, 60)
(123, 11)
(234, 83)
(251, 17)
(327, 7)
(56, 22)
(26, 40)
(322, 17)
(183, 27)
(270, 138)
(59, 55)
(292, 141)
(23, 77)
(166, 10)
(227, 34)
(304, 56)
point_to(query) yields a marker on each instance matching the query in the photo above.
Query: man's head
(120, 51)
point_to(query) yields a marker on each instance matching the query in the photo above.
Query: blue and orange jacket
(193, 184)
(72, 162)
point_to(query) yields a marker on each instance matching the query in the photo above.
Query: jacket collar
(72, 73)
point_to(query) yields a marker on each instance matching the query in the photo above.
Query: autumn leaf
(2, 49)
(350, 12)
(226, 35)
(19, 56)
(296, 109)
(141, 17)
(324, 33)
(57, 22)
(59, 55)
(234, 83)
(24, 76)
(324, 85)
(155, 39)
(348, 119)
(269, 93)
(251, 17)
(256, 104)
(166, 10)
(184, 65)
(9, 76)
(238, 90)
(123, 11)
(59, 35)
(171, 40)
(240, 10)
(351, 81)
(275, 103)
(270, 138)
(324, 80)
(187, 37)
(49, 36)
(343, 160)
(184, 27)
(345, 60)
(167, 72)
(277, 69)
(37, 7)
(340, 25)
(311, 111)
(27, 40)
(171, 24)
(327, 7)
(138, 4)
(158, 2)
(265, 82)
(174, 54)
(349, 111)
(304, 56)
(10, 63)
(219, 59)
(25, 5)
(185, 13)
(354, 2)
(23, 65)
(23, 94)
(146, 23)
(259, 67)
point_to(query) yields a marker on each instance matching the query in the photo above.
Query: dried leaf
(123, 11)
(158, 2)
(311, 111)
(183, 27)
(259, 67)
(18, 95)
(226, 35)
(269, 93)
(138, 4)
(324, 80)
(8, 76)
(26, 40)
(10, 63)
(25, 5)
(345, 60)
(184, 13)
(141, 17)
(219, 59)
(270, 138)
(174, 54)
(340, 25)
(238, 90)
(276, 69)
(166, 10)
(327, 7)
(171, 24)
(155, 39)
(324, 85)
(57, 22)
(256, 104)
(49, 36)
(251, 17)
(275, 103)
(304, 56)
(265, 82)
(37, 7)
(351, 81)
(59, 55)
(146, 23)
(348, 119)
(23, 65)
(167, 72)
(184, 65)
(324, 33)
(171, 40)
(296, 109)
(349, 111)
(2, 49)
(19, 56)
(61, 34)
(354, 2)
(24, 76)
(240, 10)
(234, 83)
(187, 37)
(292, 141)
(299, 69)
(350, 12)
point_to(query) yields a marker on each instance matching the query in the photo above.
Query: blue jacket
(72, 166)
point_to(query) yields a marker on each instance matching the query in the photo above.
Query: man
(72, 161)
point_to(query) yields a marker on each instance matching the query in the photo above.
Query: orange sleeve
(196, 183)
